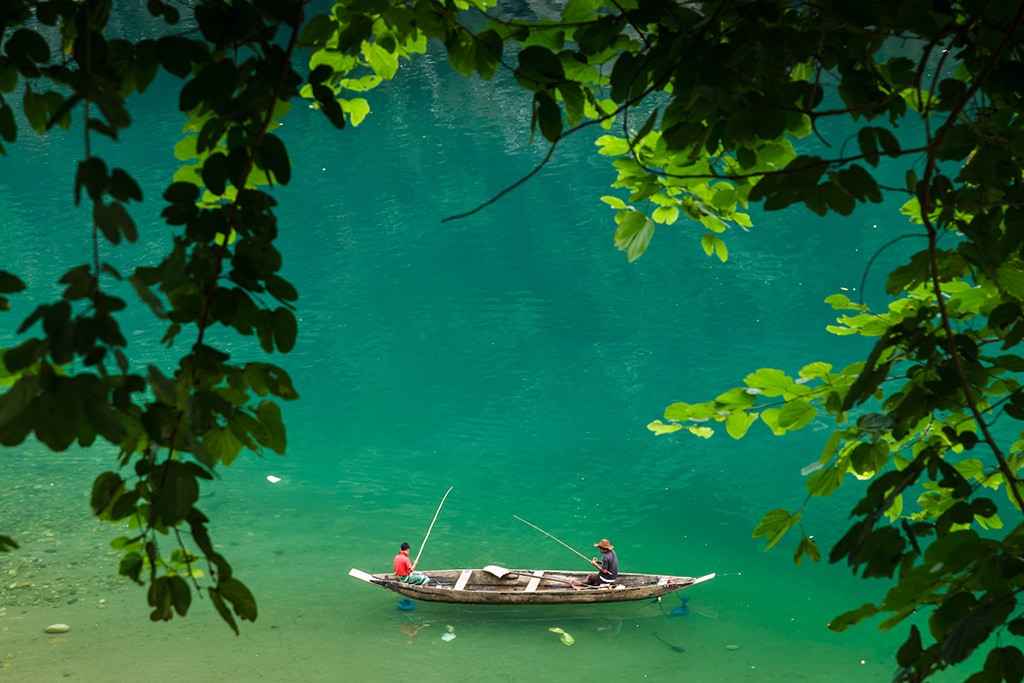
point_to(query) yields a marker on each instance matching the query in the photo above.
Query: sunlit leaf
(659, 427)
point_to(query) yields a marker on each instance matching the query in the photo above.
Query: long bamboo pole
(553, 538)
(422, 545)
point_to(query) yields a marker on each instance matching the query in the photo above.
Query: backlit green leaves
(233, 592)
(172, 425)
(847, 619)
(633, 234)
(774, 526)
(807, 547)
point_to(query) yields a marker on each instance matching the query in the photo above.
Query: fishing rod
(422, 545)
(589, 560)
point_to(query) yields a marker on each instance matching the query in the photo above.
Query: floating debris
(566, 638)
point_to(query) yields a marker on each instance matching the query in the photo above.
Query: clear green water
(513, 355)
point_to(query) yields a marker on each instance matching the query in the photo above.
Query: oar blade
(360, 574)
(495, 570)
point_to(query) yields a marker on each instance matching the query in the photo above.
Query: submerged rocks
(57, 628)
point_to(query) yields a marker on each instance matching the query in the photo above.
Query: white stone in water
(57, 628)
(732, 647)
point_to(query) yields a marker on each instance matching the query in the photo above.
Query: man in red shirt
(404, 568)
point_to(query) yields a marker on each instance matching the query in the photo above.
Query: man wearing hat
(608, 567)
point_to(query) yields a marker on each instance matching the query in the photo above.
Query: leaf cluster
(71, 379)
(929, 419)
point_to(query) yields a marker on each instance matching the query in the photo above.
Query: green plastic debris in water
(566, 638)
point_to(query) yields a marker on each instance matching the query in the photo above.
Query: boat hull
(498, 586)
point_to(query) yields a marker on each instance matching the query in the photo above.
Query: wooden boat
(495, 585)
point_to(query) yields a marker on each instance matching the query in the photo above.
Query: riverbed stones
(57, 628)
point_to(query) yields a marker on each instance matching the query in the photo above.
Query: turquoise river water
(513, 355)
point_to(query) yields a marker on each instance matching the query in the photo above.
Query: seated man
(404, 568)
(609, 566)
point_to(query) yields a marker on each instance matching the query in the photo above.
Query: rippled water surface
(513, 355)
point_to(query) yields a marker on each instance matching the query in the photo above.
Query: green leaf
(957, 142)
(659, 428)
(824, 482)
(580, 11)
(612, 146)
(738, 422)
(538, 66)
(488, 53)
(796, 415)
(815, 370)
(712, 244)
(274, 436)
(735, 398)
(8, 127)
(131, 567)
(123, 187)
(769, 382)
(274, 158)
(808, 547)
(357, 109)
(613, 202)
(286, 329)
(10, 284)
(92, 175)
(965, 635)
(1006, 664)
(222, 609)
(216, 170)
(595, 37)
(774, 526)
(548, 115)
(181, 594)
(105, 490)
(382, 60)
(852, 617)
(868, 145)
(113, 220)
(27, 44)
(1012, 277)
(240, 597)
(162, 387)
(175, 492)
(633, 234)
(15, 402)
(222, 445)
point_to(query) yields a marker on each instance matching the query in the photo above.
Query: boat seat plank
(534, 582)
(463, 579)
